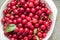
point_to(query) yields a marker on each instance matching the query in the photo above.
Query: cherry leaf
(10, 27)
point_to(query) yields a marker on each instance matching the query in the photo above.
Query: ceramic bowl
(50, 4)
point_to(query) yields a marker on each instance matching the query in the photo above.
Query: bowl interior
(53, 17)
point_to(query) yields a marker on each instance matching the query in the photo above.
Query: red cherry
(14, 35)
(16, 16)
(31, 0)
(43, 4)
(16, 11)
(8, 5)
(22, 1)
(12, 17)
(39, 12)
(38, 7)
(13, 3)
(36, 3)
(30, 32)
(13, 7)
(31, 4)
(25, 5)
(26, 38)
(20, 36)
(15, 21)
(30, 14)
(44, 35)
(36, 16)
(26, 30)
(24, 21)
(48, 12)
(12, 38)
(33, 10)
(30, 36)
(40, 21)
(46, 23)
(10, 21)
(16, 29)
(21, 10)
(36, 25)
(21, 30)
(43, 27)
(20, 25)
(28, 10)
(19, 20)
(39, 34)
(28, 18)
(23, 16)
(5, 11)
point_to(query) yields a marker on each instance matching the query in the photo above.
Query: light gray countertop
(56, 33)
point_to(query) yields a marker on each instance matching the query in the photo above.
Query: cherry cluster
(27, 15)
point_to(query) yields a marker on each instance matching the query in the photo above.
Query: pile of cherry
(31, 18)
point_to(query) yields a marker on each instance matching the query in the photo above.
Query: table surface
(56, 33)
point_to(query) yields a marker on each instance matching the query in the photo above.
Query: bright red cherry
(24, 21)
(16, 29)
(10, 21)
(12, 38)
(5, 11)
(30, 14)
(34, 20)
(26, 38)
(14, 35)
(13, 7)
(30, 32)
(23, 16)
(16, 16)
(21, 30)
(29, 24)
(15, 21)
(43, 4)
(26, 30)
(31, 0)
(12, 17)
(20, 25)
(22, 1)
(44, 35)
(36, 16)
(36, 25)
(30, 36)
(20, 36)
(37, 7)
(16, 11)
(36, 3)
(48, 12)
(39, 12)
(39, 34)
(31, 4)
(21, 10)
(28, 18)
(28, 10)
(25, 5)
(31, 27)
(43, 27)
(40, 21)
(33, 10)
(19, 20)
(46, 23)
(13, 3)
(8, 5)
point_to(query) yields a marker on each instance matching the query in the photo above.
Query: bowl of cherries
(27, 19)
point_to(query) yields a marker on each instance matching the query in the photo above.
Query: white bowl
(50, 4)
